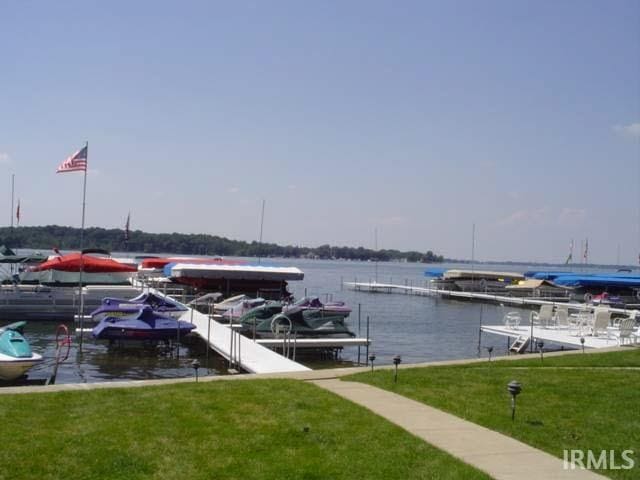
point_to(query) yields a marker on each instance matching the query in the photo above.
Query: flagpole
(84, 204)
(13, 178)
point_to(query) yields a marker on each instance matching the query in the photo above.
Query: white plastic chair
(600, 322)
(512, 320)
(562, 317)
(544, 317)
(627, 331)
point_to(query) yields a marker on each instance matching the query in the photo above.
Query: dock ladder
(520, 344)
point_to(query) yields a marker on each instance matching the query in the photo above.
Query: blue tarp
(598, 281)
(434, 272)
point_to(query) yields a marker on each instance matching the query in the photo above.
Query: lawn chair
(601, 320)
(512, 320)
(562, 316)
(627, 331)
(544, 317)
(580, 323)
(633, 314)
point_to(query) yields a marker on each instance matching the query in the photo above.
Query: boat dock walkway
(315, 342)
(374, 287)
(238, 349)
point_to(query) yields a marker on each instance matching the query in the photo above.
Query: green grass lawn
(214, 430)
(568, 402)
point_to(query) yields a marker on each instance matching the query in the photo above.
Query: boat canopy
(546, 275)
(488, 274)
(74, 261)
(161, 262)
(234, 272)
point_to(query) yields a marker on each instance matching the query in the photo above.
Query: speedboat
(609, 300)
(146, 324)
(118, 307)
(16, 356)
(49, 290)
(68, 269)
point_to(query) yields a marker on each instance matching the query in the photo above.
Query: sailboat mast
(261, 226)
(375, 246)
(473, 255)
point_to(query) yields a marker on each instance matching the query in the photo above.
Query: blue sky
(417, 119)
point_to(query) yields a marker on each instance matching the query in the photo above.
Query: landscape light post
(195, 365)
(540, 349)
(514, 388)
(372, 357)
(490, 351)
(396, 361)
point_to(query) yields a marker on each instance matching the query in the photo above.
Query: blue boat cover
(434, 272)
(598, 281)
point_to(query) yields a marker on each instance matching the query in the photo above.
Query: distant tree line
(68, 238)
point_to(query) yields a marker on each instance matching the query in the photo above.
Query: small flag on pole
(126, 228)
(75, 163)
(18, 212)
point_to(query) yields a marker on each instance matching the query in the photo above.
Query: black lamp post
(372, 357)
(514, 389)
(489, 351)
(540, 349)
(396, 361)
(582, 342)
(195, 365)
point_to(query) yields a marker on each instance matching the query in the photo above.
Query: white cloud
(534, 216)
(4, 158)
(632, 130)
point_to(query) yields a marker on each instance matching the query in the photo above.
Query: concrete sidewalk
(500, 456)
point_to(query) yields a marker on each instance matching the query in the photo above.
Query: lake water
(415, 327)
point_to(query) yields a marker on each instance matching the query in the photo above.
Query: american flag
(76, 162)
(18, 212)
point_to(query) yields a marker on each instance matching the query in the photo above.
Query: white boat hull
(12, 368)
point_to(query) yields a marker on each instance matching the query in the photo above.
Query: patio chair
(580, 323)
(601, 320)
(633, 314)
(512, 320)
(627, 331)
(562, 317)
(544, 317)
